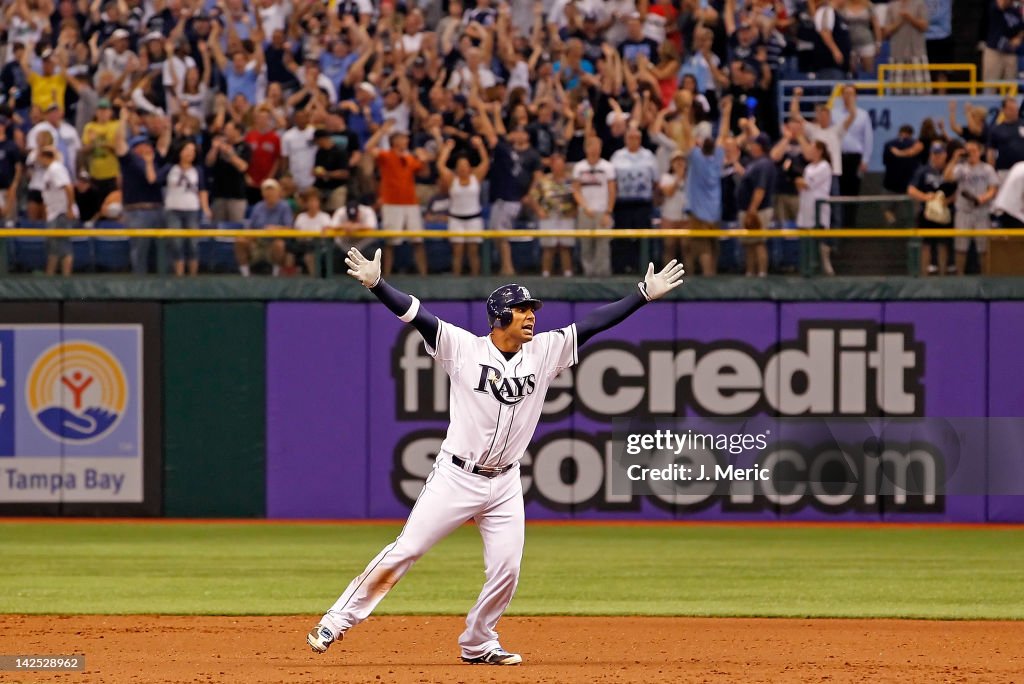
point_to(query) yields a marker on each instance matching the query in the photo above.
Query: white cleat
(498, 656)
(321, 637)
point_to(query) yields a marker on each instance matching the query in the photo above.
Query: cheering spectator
(311, 220)
(755, 197)
(929, 187)
(12, 169)
(636, 177)
(350, 218)
(900, 164)
(98, 155)
(50, 83)
(977, 185)
(788, 155)
(298, 150)
(977, 126)
(142, 191)
(831, 56)
(514, 166)
(552, 201)
(465, 212)
(65, 137)
(594, 188)
(332, 169)
(908, 21)
(228, 160)
(865, 35)
(1006, 139)
(186, 202)
(265, 153)
(400, 209)
(674, 207)
(270, 213)
(704, 189)
(59, 200)
(858, 142)
(1002, 41)
(815, 185)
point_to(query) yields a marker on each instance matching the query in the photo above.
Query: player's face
(523, 322)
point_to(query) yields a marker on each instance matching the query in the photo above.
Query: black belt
(479, 470)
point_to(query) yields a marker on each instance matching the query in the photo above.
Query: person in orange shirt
(400, 209)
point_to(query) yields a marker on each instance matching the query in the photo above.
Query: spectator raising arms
(465, 212)
(815, 185)
(977, 185)
(401, 210)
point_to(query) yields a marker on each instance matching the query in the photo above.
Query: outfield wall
(331, 409)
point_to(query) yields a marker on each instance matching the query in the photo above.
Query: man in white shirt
(462, 78)
(858, 143)
(831, 134)
(298, 150)
(65, 137)
(594, 190)
(59, 199)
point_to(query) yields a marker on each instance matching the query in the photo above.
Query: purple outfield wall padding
(1005, 399)
(953, 334)
(837, 316)
(317, 410)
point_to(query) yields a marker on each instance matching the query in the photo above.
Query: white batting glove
(657, 285)
(364, 270)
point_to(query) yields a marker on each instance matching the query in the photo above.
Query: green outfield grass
(766, 570)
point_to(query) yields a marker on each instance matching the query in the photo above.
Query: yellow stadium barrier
(645, 233)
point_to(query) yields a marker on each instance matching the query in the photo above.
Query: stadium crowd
(565, 113)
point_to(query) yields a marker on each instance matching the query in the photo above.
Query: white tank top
(464, 200)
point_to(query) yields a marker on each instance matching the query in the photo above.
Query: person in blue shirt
(270, 212)
(242, 74)
(704, 188)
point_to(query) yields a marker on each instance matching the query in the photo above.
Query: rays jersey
(496, 403)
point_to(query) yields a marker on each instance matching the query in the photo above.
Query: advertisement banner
(755, 361)
(71, 413)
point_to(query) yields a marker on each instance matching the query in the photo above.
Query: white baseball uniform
(496, 403)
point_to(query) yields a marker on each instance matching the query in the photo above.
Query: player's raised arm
(405, 306)
(654, 286)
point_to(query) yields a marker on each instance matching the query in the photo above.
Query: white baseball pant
(450, 497)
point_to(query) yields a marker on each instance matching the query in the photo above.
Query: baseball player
(498, 383)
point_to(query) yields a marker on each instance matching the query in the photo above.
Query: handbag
(936, 210)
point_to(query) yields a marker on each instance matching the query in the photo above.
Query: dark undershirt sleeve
(609, 315)
(399, 302)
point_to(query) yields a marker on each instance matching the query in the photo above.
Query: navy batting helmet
(501, 301)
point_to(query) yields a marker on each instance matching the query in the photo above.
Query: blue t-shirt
(336, 68)
(244, 83)
(358, 124)
(704, 184)
(940, 19)
(512, 171)
(264, 215)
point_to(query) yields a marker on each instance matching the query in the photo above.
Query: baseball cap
(119, 34)
(368, 87)
(270, 183)
(153, 35)
(322, 133)
(938, 146)
(702, 131)
(420, 61)
(54, 106)
(103, 103)
(138, 140)
(764, 141)
(612, 116)
(459, 98)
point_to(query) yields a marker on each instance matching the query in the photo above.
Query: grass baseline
(600, 570)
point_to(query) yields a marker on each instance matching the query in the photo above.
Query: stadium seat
(111, 254)
(29, 253)
(439, 251)
(82, 250)
(217, 255)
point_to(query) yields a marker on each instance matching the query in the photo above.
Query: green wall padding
(214, 410)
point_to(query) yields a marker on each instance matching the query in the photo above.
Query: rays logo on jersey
(509, 391)
(76, 391)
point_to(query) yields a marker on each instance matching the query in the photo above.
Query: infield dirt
(555, 649)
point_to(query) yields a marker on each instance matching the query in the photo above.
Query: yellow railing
(972, 85)
(813, 233)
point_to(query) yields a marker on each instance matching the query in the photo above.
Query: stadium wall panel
(215, 410)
